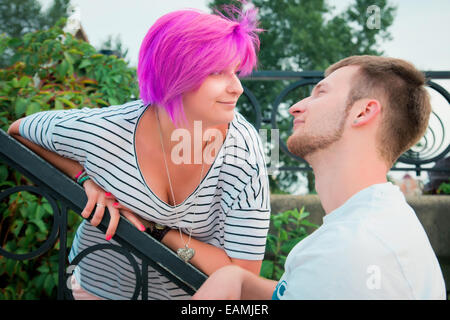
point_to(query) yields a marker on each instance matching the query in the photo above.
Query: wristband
(157, 231)
(79, 174)
(82, 177)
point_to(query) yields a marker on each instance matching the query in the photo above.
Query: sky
(420, 33)
(420, 29)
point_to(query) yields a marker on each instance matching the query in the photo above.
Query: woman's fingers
(113, 222)
(99, 212)
(102, 200)
(90, 205)
(109, 195)
(115, 218)
(141, 224)
(138, 223)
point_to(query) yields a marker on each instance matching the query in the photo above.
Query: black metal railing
(63, 194)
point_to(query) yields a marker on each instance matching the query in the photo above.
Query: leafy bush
(289, 229)
(25, 224)
(444, 188)
(50, 70)
(53, 70)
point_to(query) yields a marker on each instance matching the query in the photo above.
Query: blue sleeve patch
(279, 290)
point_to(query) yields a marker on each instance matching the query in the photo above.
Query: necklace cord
(170, 183)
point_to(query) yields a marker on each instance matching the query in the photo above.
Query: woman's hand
(97, 196)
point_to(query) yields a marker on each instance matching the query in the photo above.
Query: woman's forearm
(207, 258)
(68, 166)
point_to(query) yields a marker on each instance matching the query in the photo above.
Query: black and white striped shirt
(229, 209)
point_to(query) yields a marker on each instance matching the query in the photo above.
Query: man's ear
(368, 111)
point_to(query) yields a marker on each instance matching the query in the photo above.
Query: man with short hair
(356, 123)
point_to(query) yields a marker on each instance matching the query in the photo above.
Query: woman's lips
(228, 103)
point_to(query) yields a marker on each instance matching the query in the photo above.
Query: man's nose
(298, 108)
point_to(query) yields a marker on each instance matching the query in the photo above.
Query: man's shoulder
(381, 239)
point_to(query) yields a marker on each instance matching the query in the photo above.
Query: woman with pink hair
(148, 159)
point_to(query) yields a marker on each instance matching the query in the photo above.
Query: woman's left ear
(369, 110)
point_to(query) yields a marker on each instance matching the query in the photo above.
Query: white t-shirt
(372, 247)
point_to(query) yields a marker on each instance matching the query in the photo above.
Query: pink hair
(183, 47)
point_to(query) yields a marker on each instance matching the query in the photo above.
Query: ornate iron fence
(430, 149)
(63, 194)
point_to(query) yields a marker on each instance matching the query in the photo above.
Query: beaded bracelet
(82, 177)
(80, 182)
(79, 174)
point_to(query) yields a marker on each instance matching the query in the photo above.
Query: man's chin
(305, 146)
(296, 146)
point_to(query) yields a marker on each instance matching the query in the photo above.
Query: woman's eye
(219, 73)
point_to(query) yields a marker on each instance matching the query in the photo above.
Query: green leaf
(43, 269)
(267, 269)
(47, 207)
(62, 68)
(30, 231)
(58, 104)
(304, 214)
(10, 266)
(279, 271)
(49, 284)
(39, 281)
(113, 101)
(40, 224)
(68, 102)
(23, 212)
(85, 63)
(271, 243)
(31, 210)
(15, 42)
(69, 58)
(20, 107)
(24, 81)
(6, 213)
(15, 83)
(17, 226)
(40, 212)
(11, 246)
(295, 213)
(309, 224)
(33, 107)
(117, 78)
(3, 172)
(277, 224)
(55, 277)
(289, 245)
(283, 235)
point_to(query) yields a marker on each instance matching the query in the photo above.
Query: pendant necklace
(185, 253)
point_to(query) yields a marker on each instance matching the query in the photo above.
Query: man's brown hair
(399, 87)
